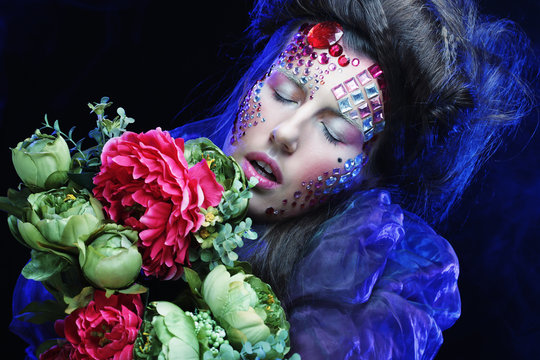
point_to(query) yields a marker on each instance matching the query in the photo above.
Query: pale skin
(301, 138)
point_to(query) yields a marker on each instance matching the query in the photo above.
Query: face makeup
(310, 60)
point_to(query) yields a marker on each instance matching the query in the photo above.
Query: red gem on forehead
(324, 34)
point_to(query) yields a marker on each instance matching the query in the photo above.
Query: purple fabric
(378, 284)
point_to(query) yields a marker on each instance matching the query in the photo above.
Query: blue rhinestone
(349, 165)
(344, 178)
(331, 181)
(356, 171)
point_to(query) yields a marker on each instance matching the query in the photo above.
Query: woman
(347, 103)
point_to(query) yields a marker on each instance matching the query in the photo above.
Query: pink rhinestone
(324, 59)
(339, 91)
(351, 85)
(343, 60)
(375, 70)
(313, 56)
(335, 50)
(376, 103)
(332, 67)
(363, 77)
(355, 62)
(307, 50)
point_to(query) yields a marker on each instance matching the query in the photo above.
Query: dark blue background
(157, 58)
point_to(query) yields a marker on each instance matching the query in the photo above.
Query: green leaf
(42, 312)
(43, 266)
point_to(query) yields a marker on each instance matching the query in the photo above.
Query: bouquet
(109, 223)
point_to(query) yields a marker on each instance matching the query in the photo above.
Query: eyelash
(328, 135)
(281, 99)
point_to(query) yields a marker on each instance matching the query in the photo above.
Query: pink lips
(250, 171)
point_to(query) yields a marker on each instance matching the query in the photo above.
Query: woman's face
(295, 135)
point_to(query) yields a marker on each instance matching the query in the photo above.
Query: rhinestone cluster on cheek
(249, 113)
(313, 192)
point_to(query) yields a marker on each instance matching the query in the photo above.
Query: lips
(262, 167)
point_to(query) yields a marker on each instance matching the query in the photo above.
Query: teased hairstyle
(456, 86)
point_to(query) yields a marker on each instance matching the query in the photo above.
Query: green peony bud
(56, 220)
(176, 332)
(42, 161)
(235, 306)
(112, 260)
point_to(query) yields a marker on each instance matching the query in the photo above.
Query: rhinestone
(368, 135)
(324, 59)
(355, 62)
(353, 115)
(343, 60)
(356, 171)
(378, 117)
(367, 124)
(331, 181)
(344, 105)
(378, 127)
(364, 110)
(359, 160)
(339, 91)
(375, 70)
(344, 178)
(324, 34)
(363, 77)
(376, 103)
(332, 67)
(297, 194)
(349, 165)
(336, 171)
(335, 50)
(371, 91)
(351, 85)
(357, 97)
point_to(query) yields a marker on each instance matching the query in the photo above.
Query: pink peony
(106, 328)
(145, 182)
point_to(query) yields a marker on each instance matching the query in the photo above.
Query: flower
(228, 173)
(235, 306)
(57, 219)
(175, 331)
(106, 328)
(42, 161)
(63, 349)
(145, 182)
(112, 260)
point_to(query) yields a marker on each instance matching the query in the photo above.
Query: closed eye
(328, 135)
(277, 96)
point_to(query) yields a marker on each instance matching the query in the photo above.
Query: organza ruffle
(378, 284)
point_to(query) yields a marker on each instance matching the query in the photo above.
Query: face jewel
(376, 103)
(355, 62)
(351, 85)
(323, 58)
(378, 117)
(344, 105)
(324, 35)
(367, 124)
(331, 181)
(354, 114)
(343, 60)
(363, 77)
(364, 110)
(297, 194)
(335, 50)
(378, 127)
(357, 97)
(339, 91)
(368, 135)
(371, 90)
(349, 165)
(359, 160)
(375, 70)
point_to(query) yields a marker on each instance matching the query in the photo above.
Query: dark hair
(455, 86)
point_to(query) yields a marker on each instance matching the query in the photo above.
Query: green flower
(235, 306)
(42, 161)
(111, 260)
(228, 173)
(206, 236)
(211, 216)
(56, 220)
(175, 331)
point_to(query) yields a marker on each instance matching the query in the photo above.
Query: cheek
(317, 183)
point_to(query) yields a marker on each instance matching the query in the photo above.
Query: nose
(285, 136)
